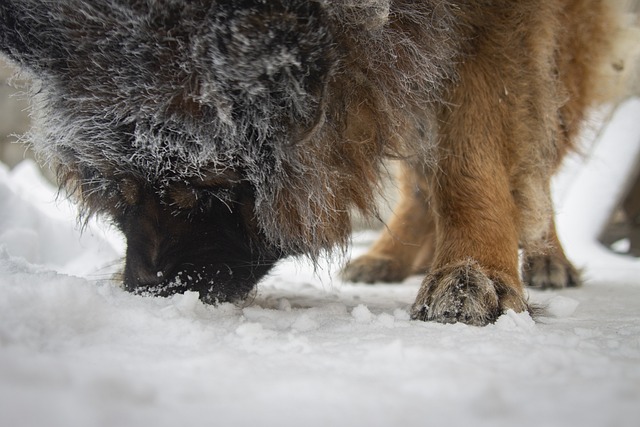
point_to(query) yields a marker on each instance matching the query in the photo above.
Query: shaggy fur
(223, 135)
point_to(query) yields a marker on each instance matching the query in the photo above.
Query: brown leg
(488, 134)
(405, 241)
(474, 277)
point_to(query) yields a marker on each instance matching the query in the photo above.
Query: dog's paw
(465, 293)
(371, 268)
(549, 272)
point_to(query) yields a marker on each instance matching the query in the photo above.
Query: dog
(221, 136)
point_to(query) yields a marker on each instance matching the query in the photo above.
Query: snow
(76, 350)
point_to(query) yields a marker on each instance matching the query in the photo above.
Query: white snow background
(76, 350)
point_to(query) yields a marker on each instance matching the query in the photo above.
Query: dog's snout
(210, 251)
(142, 272)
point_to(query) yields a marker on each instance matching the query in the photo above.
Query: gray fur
(172, 89)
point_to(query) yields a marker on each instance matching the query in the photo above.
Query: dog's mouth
(222, 267)
(179, 241)
(215, 283)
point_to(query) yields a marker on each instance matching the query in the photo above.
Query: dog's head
(176, 118)
(222, 135)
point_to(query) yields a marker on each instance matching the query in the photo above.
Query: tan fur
(529, 74)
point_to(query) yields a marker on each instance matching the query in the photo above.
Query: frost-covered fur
(284, 111)
(169, 90)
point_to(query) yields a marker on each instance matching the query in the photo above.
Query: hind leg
(405, 246)
(549, 268)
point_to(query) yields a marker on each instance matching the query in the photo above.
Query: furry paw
(372, 268)
(464, 293)
(548, 271)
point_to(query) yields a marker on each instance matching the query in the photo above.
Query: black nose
(146, 277)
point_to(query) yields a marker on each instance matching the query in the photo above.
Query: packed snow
(77, 350)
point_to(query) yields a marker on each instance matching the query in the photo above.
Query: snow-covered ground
(309, 350)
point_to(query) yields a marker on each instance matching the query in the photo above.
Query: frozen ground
(75, 350)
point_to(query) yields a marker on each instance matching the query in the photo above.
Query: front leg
(488, 137)
(475, 276)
